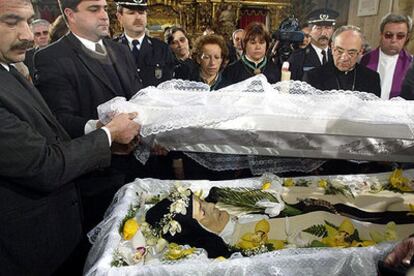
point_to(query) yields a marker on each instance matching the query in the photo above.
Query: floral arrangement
(258, 242)
(180, 197)
(396, 182)
(346, 235)
(330, 235)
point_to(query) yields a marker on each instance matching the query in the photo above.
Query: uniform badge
(158, 72)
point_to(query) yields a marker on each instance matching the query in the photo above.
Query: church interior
(224, 16)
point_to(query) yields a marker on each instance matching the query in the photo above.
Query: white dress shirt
(386, 67)
(319, 53)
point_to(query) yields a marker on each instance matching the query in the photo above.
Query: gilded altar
(223, 17)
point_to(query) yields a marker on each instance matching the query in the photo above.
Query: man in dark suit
(317, 53)
(39, 205)
(154, 59)
(344, 73)
(75, 75)
(40, 30)
(235, 46)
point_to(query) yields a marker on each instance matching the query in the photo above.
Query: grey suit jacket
(39, 204)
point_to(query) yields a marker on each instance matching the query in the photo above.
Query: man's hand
(123, 129)
(401, 254)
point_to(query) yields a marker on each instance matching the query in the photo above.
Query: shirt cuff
(90, 126)
(108, 133)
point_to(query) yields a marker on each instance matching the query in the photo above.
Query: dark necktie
(99, 49)
(323, 52)
(20, 78)
(135, 50)
(33, 93)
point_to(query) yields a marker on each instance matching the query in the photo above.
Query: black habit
(328, 77)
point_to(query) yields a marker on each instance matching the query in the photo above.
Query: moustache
(323, 37)
(23, 45)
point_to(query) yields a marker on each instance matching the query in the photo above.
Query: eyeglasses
(37, 34)
(399, 36)
(351, 53)
(208, 57)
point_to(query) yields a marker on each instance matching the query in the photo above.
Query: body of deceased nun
(218, 223)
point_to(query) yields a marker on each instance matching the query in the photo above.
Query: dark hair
(70, 4)
(253, 30)
(396, 18)
(57, 29)
(192, 233)
(211, 39)
(169, 37)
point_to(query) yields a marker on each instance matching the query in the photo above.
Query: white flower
(273, 209)
(179, 207)
(161, 244)
(174, 227)
(183, 191)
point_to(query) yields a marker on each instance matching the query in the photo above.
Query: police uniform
(303, 60)
(155, 61)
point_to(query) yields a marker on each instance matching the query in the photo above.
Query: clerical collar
(345, 72)
(130, 39)
(6, 66)
(88, 43)
(345, 80)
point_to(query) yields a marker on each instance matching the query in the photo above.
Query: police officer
(317, 53)
(154, 60)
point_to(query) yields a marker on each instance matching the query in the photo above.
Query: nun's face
(209, 216)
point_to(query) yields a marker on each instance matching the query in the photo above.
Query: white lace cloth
(306, 261)
(254, 118)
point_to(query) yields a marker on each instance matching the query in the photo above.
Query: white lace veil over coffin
(256, 125)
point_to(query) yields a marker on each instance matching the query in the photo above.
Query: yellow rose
(130, 228)
(347, 227)
(288, 182)
(400, 182)
(323, 183)
(263, 225)
(266, 186)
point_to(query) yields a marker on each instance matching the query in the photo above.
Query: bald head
(347, 47)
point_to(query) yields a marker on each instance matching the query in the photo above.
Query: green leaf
(353, 237)
(316, 243)
(318, 230)
(246, 199)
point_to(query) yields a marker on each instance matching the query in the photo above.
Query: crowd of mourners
(60, 166)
